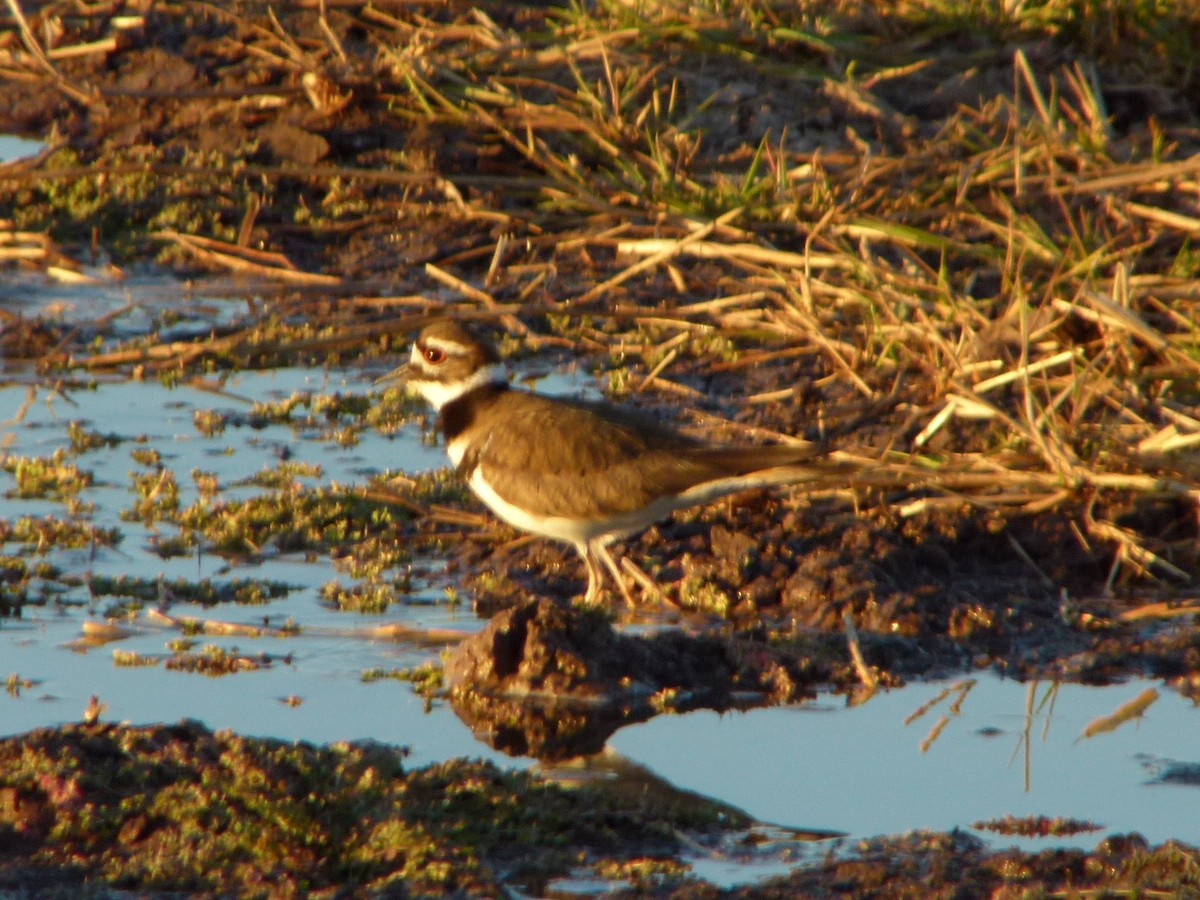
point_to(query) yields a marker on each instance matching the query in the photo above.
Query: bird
(580, 471)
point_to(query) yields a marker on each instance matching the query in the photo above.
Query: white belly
(561, 528)
(581, 531)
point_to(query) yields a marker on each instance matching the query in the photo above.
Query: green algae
(372, 556)
(180, 808)
(129, 200)
(40, 534)
(428, 681)
(45, 477)
(371, 597)
(321, 407)
(292, 518)
(84, 440)
(14, 684)
(282, 476)
(243, 591)
(17, 580)
(157, 494)
(215, 661)
(132, 659)
(288, 515)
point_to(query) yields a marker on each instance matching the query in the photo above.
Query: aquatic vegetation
(370, 597)
(428, 680)
(180, 808)
(245, 591)
(291, 518)
(45, 533)
(82, 440)
(953, 240)
(216, 661)
(209, 422)
(45, 478)
(129, 659)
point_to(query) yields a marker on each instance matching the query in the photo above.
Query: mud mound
(553, 682)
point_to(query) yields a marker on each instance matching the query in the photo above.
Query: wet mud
(552, 682)
(363, 166)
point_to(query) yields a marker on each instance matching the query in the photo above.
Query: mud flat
(955, 245)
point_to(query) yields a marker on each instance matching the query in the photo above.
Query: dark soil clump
(553, 682)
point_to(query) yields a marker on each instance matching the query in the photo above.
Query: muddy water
(863, 771)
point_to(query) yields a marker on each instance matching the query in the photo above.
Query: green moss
(151, 590)
(130, 659)
(45, 478)
(14, 684)
(215, 661)
(82, 440)
(131, 193)
(441, 486)
(371, 557)
(283, 475)
(279, 411)
(158, 497)
(368, 597)
(182, 809)
(209, 422)
(428, 680)
(46, 533)
(146, 456)
(702, 595)
(292, 518)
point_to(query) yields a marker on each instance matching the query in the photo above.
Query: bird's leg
(595, 575)
(644, 581)
(602, 551)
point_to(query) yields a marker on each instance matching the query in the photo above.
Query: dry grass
(974, 219)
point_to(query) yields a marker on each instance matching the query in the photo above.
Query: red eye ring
(434, 355)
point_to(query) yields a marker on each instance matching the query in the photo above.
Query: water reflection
(927, 756)
(872, 769)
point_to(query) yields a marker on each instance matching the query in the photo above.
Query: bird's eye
(434, 355)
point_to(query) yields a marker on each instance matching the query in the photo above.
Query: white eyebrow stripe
(452, 347)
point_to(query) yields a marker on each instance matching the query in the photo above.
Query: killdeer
(587, 473)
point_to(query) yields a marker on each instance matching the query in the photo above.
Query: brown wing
(601, 461)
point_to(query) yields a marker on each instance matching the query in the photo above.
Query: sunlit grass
(975, 215)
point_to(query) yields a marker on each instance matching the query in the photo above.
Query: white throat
(438, 393)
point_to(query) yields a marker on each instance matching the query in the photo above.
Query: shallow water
(12, 148)
(862, 770)
(818, 766)
(326, 664)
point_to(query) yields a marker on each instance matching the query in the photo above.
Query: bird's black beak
(398, 376)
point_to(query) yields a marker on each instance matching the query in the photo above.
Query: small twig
(667, 359)
(866, 674)
(234, 258)
(35, 50)
(457, 284)
(660, 257)
(1043, 578)
(934, 733)
(332, 38)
